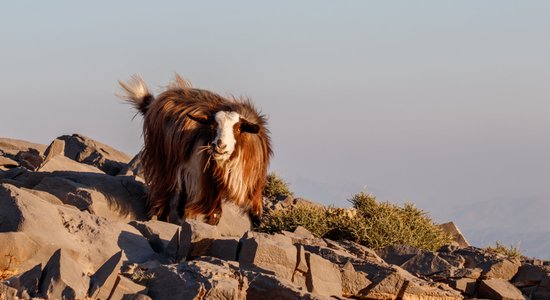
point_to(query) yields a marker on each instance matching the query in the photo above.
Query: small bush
(509, 251)
(370, 223)
(391, 225)
(275, 186)
(311, 217)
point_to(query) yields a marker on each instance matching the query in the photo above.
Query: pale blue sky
(441, 103)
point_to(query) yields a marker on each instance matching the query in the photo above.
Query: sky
(444, 104)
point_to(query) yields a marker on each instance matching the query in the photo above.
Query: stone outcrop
(457, 236)
(73, 225)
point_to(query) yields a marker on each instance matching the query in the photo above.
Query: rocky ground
(73, 226)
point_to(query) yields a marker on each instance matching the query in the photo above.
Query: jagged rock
(457, 236)
(210, 278)
(301, 270)
(91, 240)
(262, 286)
(16, 247)
(323, 277)
(158, 233)
(111, 205)
(543, 289)
(202, 235)
(530, 275)
(473, 257)
(62, 163)
(353, 282)
(303, 233)
(57, 147)
(474, 273)
(501, 269)
(91, 152)
(7, 162)
(465, 285)
(12, 175)
(127, 289)
(104, 279)
(7, 292)
(136, 297)
(337, 256)
(234, 221)
(426, 264)
(453, 259)
(499, 289)
(310, 240)
(114, 197)
(197, 279)
(360, 251)
(44, 196)
(68, 192)
(27, 283)
(224, 248)
(166, 283)
(401, 285)
(63, 278)
(301, 265)
(133, 168)
(398, 254)
(30, 159)
(73, 205)
(174, 251)
(14, 146)
(274, 253)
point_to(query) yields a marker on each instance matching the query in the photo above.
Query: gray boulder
(273, 253)
(89, 239)
(398, 254)
(63, 278)
(499, 289)
(14, 146)
(103, 281)
(323, 277)
(85, 150)
(426, 264)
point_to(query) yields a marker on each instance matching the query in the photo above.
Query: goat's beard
(219, 160)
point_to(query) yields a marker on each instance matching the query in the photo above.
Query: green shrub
(509, 251)
(275, 186)
(311, 217)
(370, 223)
(391, 225)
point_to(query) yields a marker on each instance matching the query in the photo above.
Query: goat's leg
(255, 212)
(214, 217)
(177, 208)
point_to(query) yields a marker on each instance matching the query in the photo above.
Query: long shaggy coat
(183, 178)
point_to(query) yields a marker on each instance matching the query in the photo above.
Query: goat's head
(226, 128)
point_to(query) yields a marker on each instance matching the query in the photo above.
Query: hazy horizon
(443, 104)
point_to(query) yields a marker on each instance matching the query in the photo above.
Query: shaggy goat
(200, 149)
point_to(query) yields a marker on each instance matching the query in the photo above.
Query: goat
(200, 149)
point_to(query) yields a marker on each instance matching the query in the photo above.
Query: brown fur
(171, 154)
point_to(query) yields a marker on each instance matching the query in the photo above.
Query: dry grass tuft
(509, 251)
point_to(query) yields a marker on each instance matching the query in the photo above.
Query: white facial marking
(225, 138)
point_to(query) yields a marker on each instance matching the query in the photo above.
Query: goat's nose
(221, 145)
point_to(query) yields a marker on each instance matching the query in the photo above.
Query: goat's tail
(136, 93)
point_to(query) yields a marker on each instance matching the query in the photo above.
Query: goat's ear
(205, 120)
(249, 127)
